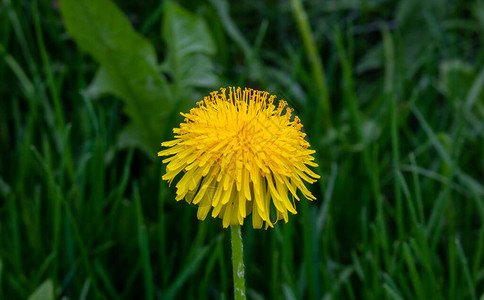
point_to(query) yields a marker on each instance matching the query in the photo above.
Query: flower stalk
(238, 263)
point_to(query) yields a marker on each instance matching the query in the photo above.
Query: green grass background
(390, 93)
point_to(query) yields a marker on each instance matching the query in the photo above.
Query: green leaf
(44, 292)
(129, 65)
(190, 45)
(102, 84)
(186, 32)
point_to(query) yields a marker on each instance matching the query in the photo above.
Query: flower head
(239, 153)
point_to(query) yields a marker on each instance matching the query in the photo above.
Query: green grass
(391, 96)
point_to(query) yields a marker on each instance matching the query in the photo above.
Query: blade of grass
(310, 250)
(70, 255)
(83, 250)
(452, 269)
(211, 261)
(91, 113)
(224, 273)
(44, 292)
(288, 293)
(162, 230)
(152, 18)
(287, 256)
(143, 247)
(41, 273)
(58, 110)
(389, 51)
(422, 251)
(14, 223)
(414, 276)
(190, 267)
(66, 159)
(435, 226)
(85, 289)
(476, 268)
(470, 182)
(252, 65)
(19, 33)
(406, 193)
(130, 281)
(465, 269)
(375, 263)
(391, 293)
(475, 91)
(118, 193)
(289, 282)
(104, 277)
(223, 11)
(323, 212)
(349, 290)
(381, 218)
(25, 82)
(418, 190)
(56, 196)
(432, 136)
(351, 101)
(390, 92)
(357, 265)
(323, 107)
(275, 267)
(391, 284)
(437, 177)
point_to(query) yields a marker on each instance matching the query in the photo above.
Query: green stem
(238, 263)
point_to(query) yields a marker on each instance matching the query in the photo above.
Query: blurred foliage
(89, 89)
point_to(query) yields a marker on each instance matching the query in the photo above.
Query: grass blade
(143, 247)
(186, 272)
(323, 107)
(465, 268)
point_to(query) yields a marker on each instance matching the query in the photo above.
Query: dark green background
(389, 92)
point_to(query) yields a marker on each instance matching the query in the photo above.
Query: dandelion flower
(240, 154)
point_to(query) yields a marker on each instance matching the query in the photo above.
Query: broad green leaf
(185, 31)
(102, 84)
(190, 45)
(129, 65)
(197, 71)
(44, 292)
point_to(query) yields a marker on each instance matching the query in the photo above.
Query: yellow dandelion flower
(239, 152)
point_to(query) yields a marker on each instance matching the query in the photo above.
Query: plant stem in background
(238, 262)
(323, 110)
